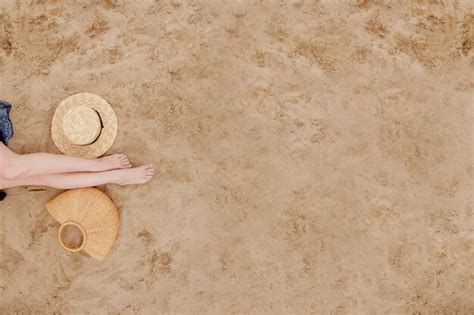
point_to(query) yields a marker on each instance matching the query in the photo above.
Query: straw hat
(93, 213)
(84, 125)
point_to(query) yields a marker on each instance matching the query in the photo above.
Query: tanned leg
(137, 175)
(16, 166)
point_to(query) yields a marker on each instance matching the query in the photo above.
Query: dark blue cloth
(6, 127)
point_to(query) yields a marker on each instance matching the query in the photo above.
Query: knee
(9, 169)
(10, 174)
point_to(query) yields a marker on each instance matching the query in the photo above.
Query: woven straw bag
(93, 213)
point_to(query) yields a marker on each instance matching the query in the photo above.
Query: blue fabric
(6, 127)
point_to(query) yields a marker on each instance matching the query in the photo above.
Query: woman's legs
(16, 166)
(137, 175)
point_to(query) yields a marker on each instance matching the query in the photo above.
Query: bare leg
(16, 166)
(137, 175)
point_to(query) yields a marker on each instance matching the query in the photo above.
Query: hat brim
(107, 136)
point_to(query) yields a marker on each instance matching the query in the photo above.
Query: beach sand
(312, 156)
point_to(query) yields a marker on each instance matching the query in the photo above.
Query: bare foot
(114, 161)
(136, 175)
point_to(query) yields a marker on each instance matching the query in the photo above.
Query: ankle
(98, 165)
(116, 176)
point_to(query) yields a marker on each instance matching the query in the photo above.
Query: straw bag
(93, 213)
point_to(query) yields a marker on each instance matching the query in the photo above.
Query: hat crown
(82, 125)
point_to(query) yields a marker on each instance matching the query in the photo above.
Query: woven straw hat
(84, 125)
(93, 213)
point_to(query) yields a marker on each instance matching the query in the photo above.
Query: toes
(149, 172)
(124, 160)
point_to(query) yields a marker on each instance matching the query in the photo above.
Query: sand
(312, 156)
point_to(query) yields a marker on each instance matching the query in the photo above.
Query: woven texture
(82, 126)
(95, 212)
(63, 126)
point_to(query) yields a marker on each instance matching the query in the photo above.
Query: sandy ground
(313, 156)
